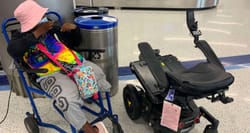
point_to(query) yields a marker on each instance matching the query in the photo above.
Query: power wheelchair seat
(201, 80)
(165, 78)
(33, 120)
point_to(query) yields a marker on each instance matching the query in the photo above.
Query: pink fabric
(29, 13)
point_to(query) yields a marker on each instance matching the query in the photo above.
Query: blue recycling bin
(99, 32)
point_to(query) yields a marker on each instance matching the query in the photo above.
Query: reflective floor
(226, 28)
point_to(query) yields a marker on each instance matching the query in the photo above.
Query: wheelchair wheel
(210, 129)
(31, 124)
(132, 102)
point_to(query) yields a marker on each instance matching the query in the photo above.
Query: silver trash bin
(99, 32)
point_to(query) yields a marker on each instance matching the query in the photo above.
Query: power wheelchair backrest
(192, 25)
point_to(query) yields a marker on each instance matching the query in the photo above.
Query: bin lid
(85, 10)
(96, 22)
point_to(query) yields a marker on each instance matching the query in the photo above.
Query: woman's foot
(101, 127)
(87, 128)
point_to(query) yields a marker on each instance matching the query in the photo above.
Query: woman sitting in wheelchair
(37, 29)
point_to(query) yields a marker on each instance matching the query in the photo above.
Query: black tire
(132, 102)
(31, 124)
(157, 131)
(210, 129)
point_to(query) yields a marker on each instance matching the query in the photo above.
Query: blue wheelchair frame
(100, 115)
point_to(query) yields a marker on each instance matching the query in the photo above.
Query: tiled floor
(226, 28)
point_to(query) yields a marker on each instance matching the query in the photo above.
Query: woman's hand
(68, 27)
(43, 28)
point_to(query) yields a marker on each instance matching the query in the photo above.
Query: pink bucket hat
(29, 13)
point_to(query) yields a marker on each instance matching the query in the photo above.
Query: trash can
(99, 32)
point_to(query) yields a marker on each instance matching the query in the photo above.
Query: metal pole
(74, 4)
(91, 4)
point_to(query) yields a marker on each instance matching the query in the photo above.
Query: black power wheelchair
(166, 78)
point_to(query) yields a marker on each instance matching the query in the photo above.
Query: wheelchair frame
(102, 114)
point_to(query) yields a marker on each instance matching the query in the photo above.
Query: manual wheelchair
(33, 120)
(165, 78)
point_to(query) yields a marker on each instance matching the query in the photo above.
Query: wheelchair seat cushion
(201, 80)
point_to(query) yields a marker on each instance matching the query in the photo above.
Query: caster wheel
(210, 129)
(157, 131)
(31, 124)
(132, 102)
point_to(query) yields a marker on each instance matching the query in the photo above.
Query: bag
(103, 84)
(86, 82)
(82, 75)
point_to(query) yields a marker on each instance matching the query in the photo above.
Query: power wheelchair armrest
(154, 65)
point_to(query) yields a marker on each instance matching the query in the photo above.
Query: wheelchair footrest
(221, 97)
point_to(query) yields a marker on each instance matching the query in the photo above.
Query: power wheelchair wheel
(31, 124)
(132, 102)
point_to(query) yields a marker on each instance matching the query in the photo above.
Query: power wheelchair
(165, 78)
(33, 120)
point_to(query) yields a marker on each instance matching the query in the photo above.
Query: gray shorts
(66, 96)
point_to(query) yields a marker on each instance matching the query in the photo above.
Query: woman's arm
(70, 35)
(75, 37)
(19, 43)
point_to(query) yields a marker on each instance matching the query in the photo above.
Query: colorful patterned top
(36, 59)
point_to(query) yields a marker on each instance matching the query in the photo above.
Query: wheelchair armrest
(19, 66)
(154, 64)
(31, 73)
(36, 70)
